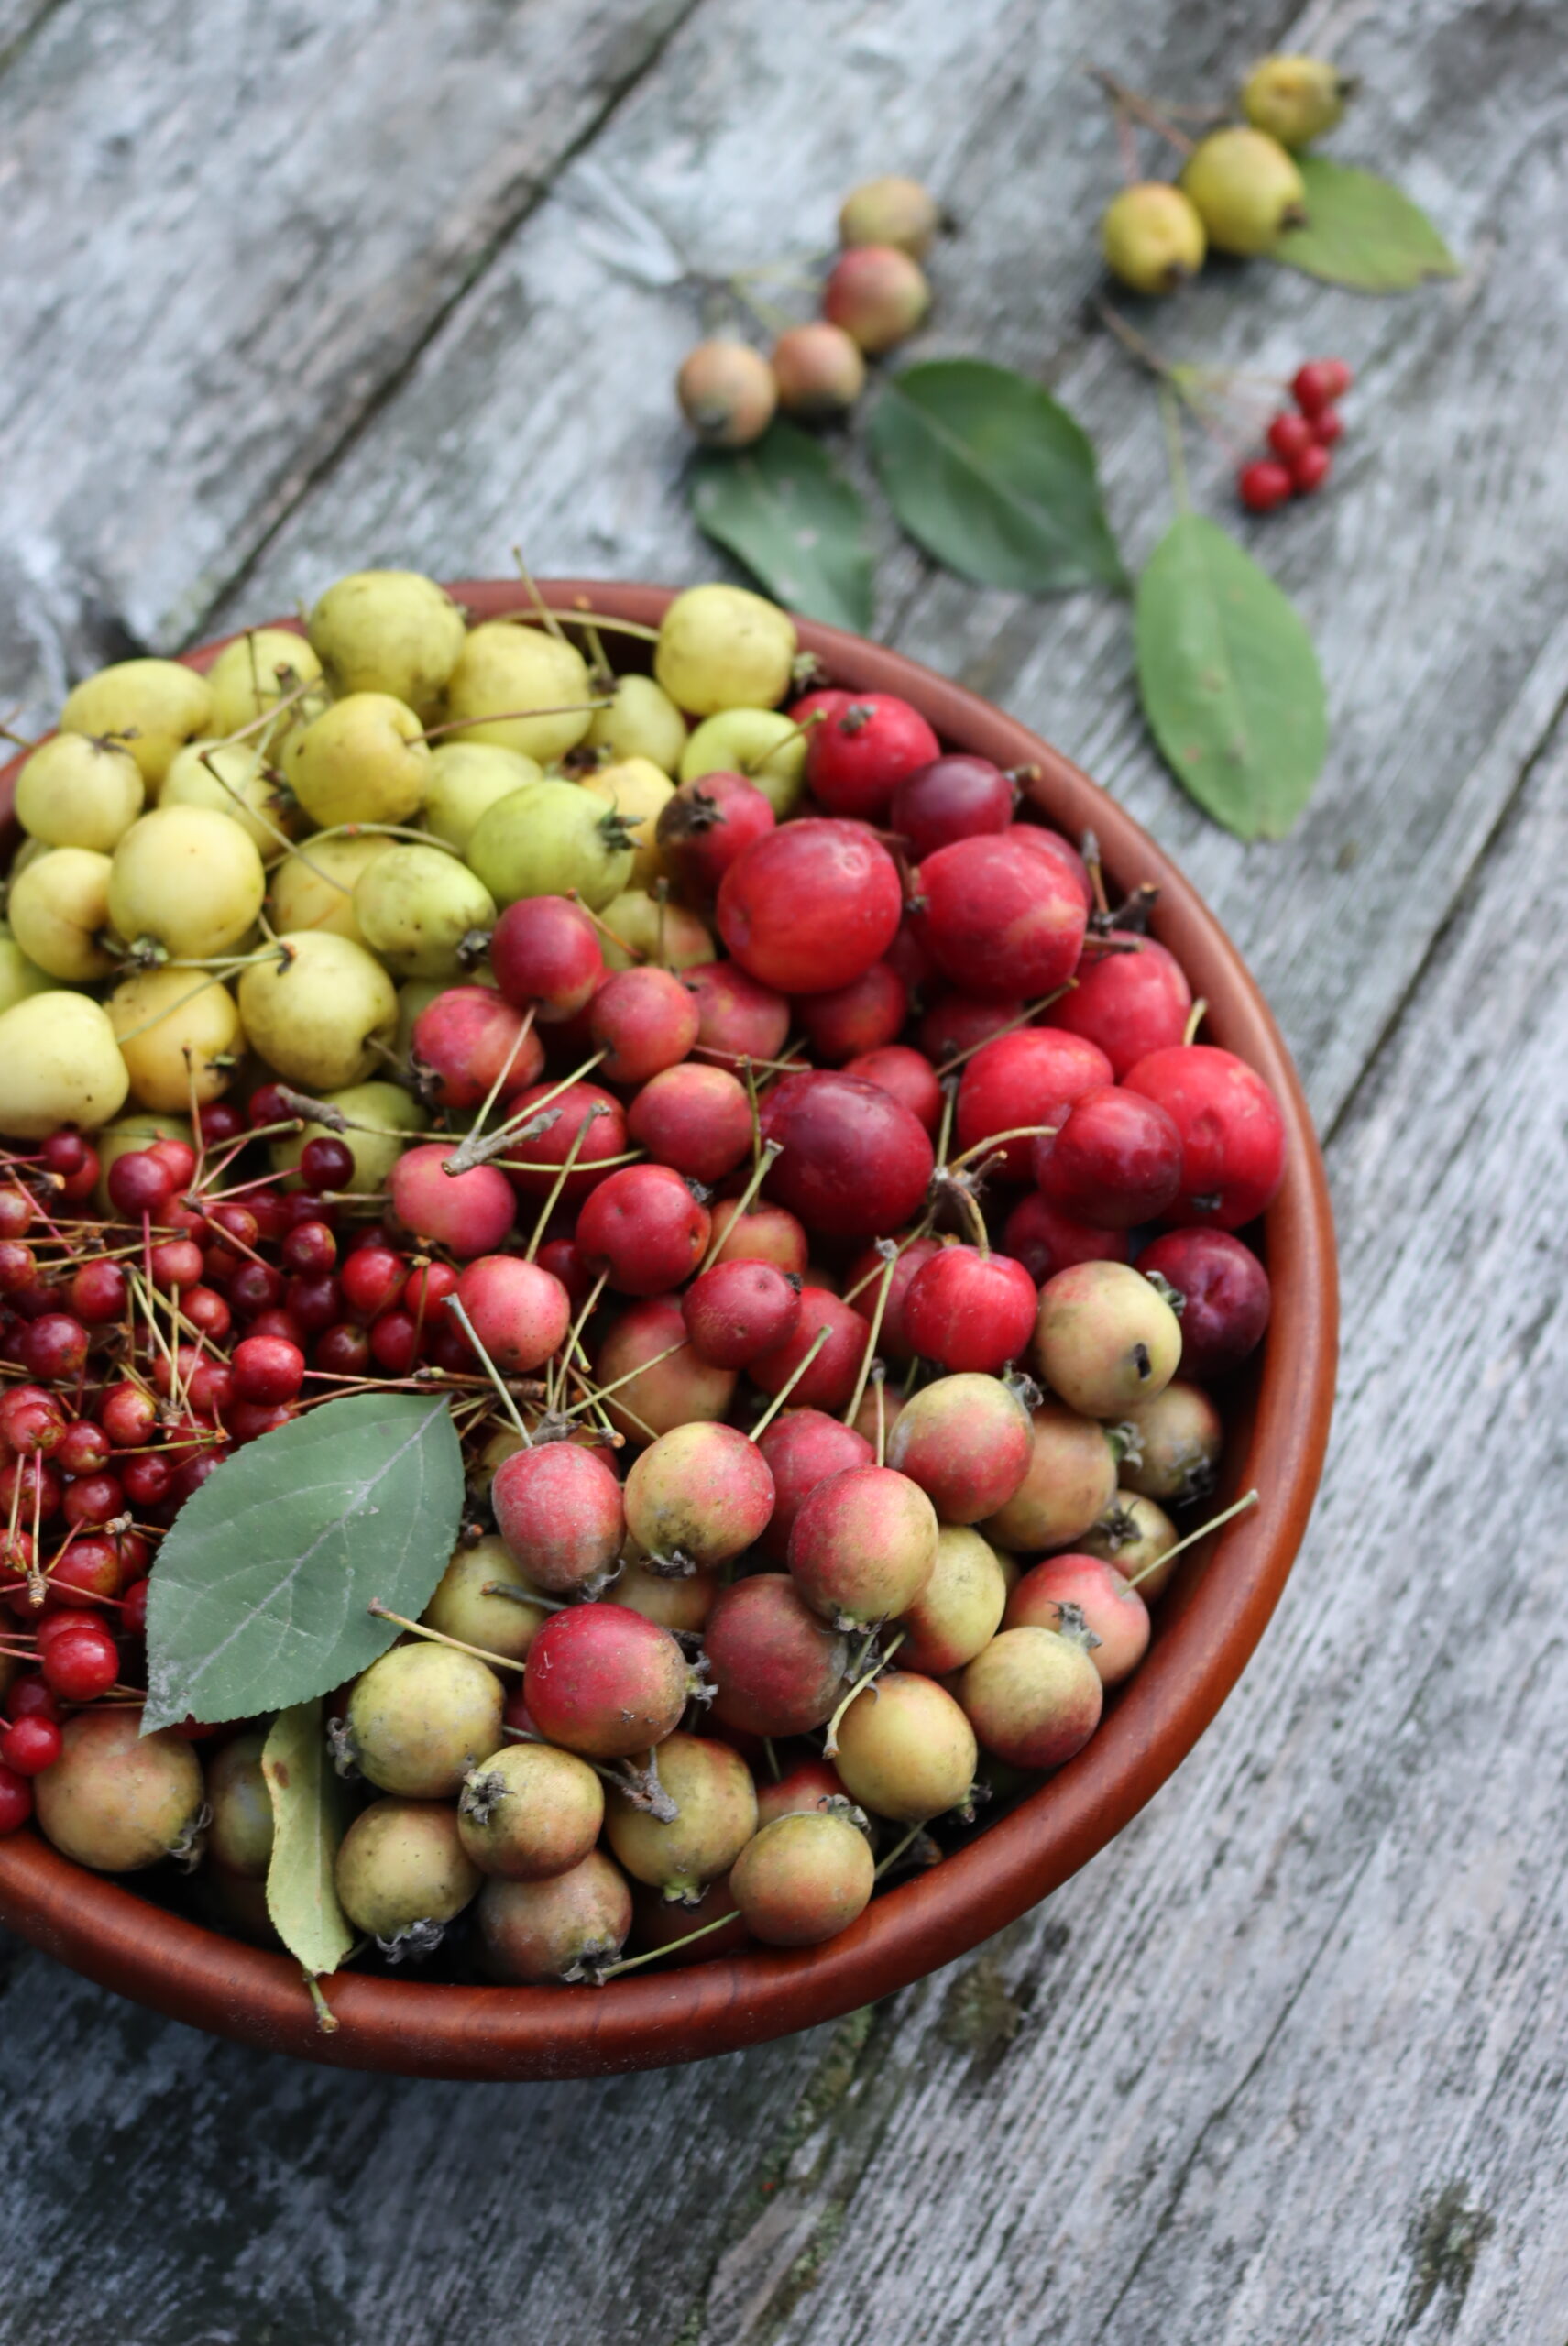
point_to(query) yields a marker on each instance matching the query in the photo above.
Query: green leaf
(1360, 232)
(1229, 680)
(311, 1811)
(994, 477)
(258, 1595)
(794, 521)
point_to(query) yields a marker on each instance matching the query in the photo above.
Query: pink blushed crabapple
(569, 1927)
(1068, 1484)
(1128, 1004)
(877, 294)
(906, 1750)
(776, 1668)
(738, 1017)
(1023, 1079)
(831, 1379)
(967, 1440)
(803, 1447)
(906, 1075)
(1000, 918)
(534, 1162)
(643, 1229)
(715, 1816)
(519, 1312)
(740, 1309)
(1225, 1296)
(695, 1119)
(644, 1021)
(667, 1381)
(1034, 1696)
(969, 1308)
(857, 757)
(602, 1682)
(1105, 1340)
(530, 1813)
(463, 1042)
(468, 1214)
(855, 1160)
(1115, 1159)
(811, 906)
(699, 1497)
(559, 1512)
(1113, 1611)
(819, 371)
(804, 1878)
(1233, 1135)
(864, 1546)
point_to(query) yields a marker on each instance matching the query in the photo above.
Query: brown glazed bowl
(1207, 1625)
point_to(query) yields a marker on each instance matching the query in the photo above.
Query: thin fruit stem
(1250, 1498)
(788, 1388)
(631, 1962)
(1030, 1010)
(491, 1096)
(326, 2019)
(879, 1383)
(536, 598)
(769, 1150)
(831, 1747)
(623, 944)
(1195, 1018)
(1089, 847)
(478, 1150)
(748, 766)
(512, 716)
(890, 1263)
(491, 1371)
(1140, 108)
(522, 1595)
(945, 1135)
(995, 1140)
(597, 1108)
(440, 1638)
(269, 716)
(899, 1847)
(598, 1392)
(969, 1207)
(574, 1336)
(544, 612)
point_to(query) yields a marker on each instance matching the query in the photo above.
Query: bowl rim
(1211, 1619)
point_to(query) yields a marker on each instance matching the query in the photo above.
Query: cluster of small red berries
(1301, 439)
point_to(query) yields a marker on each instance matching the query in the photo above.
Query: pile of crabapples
(810, 1192)
(874, 297)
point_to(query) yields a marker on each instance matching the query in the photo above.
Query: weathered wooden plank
(227, 227)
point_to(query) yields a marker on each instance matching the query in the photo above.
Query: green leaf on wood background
(1229, 680)
(794, 521)
(311, 1811)
(1360, 232)
(994, 477)
(259, 1592)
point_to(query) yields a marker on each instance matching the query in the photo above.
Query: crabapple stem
(770, 1149)
(890, 1263)
(321, 1112)
(1140, 108)
(878, 1381)
(268, 716)
(523, 1032)
(454, 1306)
(522, 1595)
(1089, 847)
(326, 2019)
(995, 1140)
(576, 618)
(598, 1392)
(476, 1150)
(635, 952)
(439, 1636)
(969, 1207)
(631, 1962)
(904, 1243)
(831, 1747)
(574, 1335)
(1249, 1498)
(1195, 1017)
(1030, 1010)
(748, 766)
(772, 1759)
(535, 598)
(899, 1847)
(597, 1108)
(790, 1381)
(950, 1108)
(512, 717)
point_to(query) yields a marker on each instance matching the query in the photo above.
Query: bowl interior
(1206, 1625)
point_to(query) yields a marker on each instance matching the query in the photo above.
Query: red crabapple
(1180, 1436)
(1233, 1135)
(520, 1314)
(799, 1792)
(695, 1119)
(1033, 1696)
(660, 1392)
(601, 1680)
(958, 1023)
(762, 1234)
(545, 951)
(705, 826)
(738, 1017)
(559, 1512)
(858, 756)
(567, 1928)
(1020, 1080)
(468, 1213)
(863, 1545)
(965, 1310)
(960, 1609)
(802, 1879)
(1060, 853)
(1130, 1004)
(777, 1669)
(739, 1309)
(878, 295)
(867, 1277)
(803, 1448)
(907, 1074)
(1226, 1296)
(811, 906)
(906, 1749)
(967, 1440)
(1070, 1481)
(1114, 1160)
(955, 797)
(831, 1379)
(862, 1016)
(467, 1040)
(715, 1816)
(1105, 1340)
(1000, 919)
(855, 1161)
(699, 1497)
(1046, 1241)
(1113, 1612)
(644, 1229)
(544, 1153)
(646, 1020)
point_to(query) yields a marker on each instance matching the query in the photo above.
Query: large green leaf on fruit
(1360, 232)
(994, 477)
(794, 521)
(311, 1811)
(1229, 680)
(259, 1593)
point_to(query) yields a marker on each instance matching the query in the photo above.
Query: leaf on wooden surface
(1229, 680)
(258, 1595)
(994, 477)
(311, 1811)
(794, 521)
(1360, 232)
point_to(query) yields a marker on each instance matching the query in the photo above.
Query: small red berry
(98, 1293)
(82, 1663)
(15, 1800)
(30, 1746)
(395, 1342)
(30, 1699)
(1263, 486)
(1311, 469)
(326, 1163)
(133, 1610)
(1328, 427)
(219, 1122)
(1318, 383)
(1288, 434)
(266, 1369)
(146, 1479)
(267, 1107)
(140, 1183)
(82, 1449)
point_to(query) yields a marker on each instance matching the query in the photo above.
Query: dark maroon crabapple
(811, 906)
(668, 1382)
(862, 1016)
(468, 1213)
(776, 1668)
(864, 1546)
(1233, 1135)
(758, 1233)
(559, 1512)
(907, 1074)
(562, 1260)
(967, 1308)
(864, 1282)
(803, 1448)
(646, 1020)
(857, 757)
(1021, 1080)
(1225, 1296)
(1060, 853)
(519, 1312)
(831, 1378)
(1105, 1338)
(695, 1119)
(740, 1309)
(468, 1040)
(545, 951)
(909, 958)
(140, 1184)
(1115, 1159)
(1130, 1003)
(953, 797)
(1046, 1241)
(967, 1440)
(534, 1162)
(602, 1682)
(699, 1497)
(1000, 918)
(1112, 1611)
(643, 1228)
(738, 1017)
(1034, 1696)
(801, 1880)
(855, 1161)
(705, 826)
(956, 1025)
